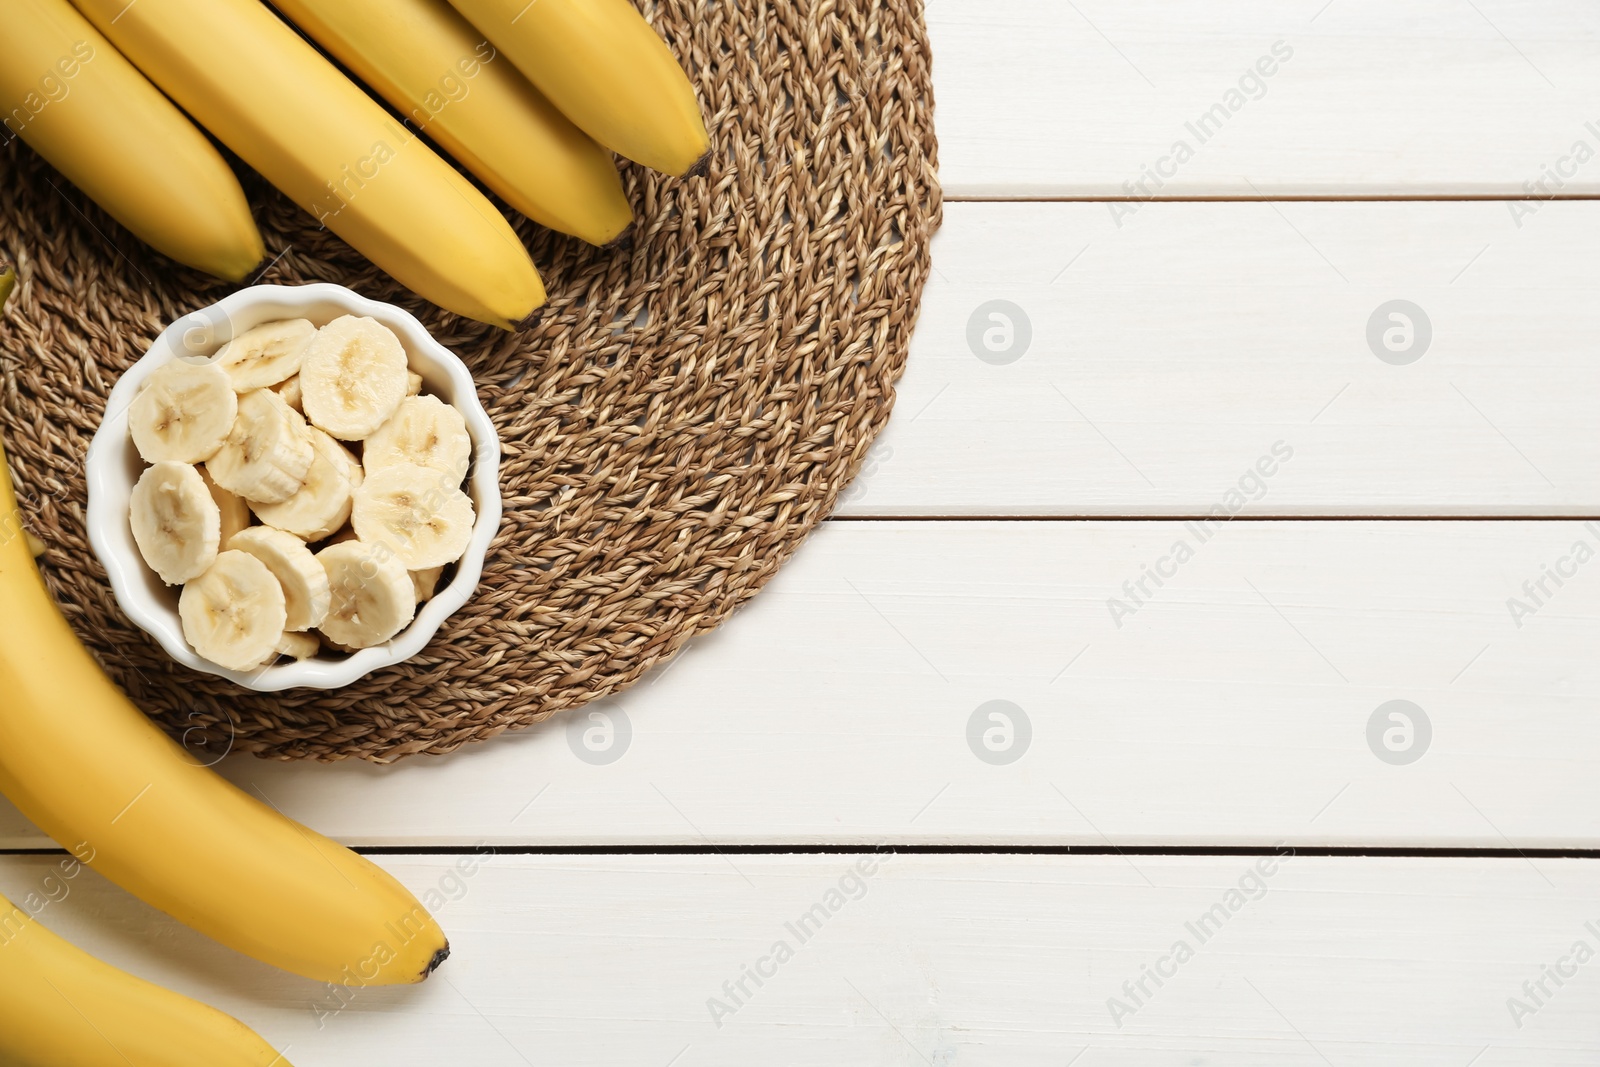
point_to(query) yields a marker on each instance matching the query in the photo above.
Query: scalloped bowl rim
(112, 456)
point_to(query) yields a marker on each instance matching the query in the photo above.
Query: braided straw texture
(681, 417)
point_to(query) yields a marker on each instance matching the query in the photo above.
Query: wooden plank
(1166, 357)
(1232, 706)
(1314, 98)
(984, 960)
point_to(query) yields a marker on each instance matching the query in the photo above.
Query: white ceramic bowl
(114, 465)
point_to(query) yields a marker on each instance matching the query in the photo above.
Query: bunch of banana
(104, 781)
(222, 441)
(286, 111)
(82, 106)
(579, 77)
(59, 1005)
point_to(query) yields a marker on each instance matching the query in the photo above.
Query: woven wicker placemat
(682, 416)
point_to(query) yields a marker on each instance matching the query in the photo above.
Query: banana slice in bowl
(353, 377)
(373, 597)
(424, 432)
(266, 355)
(306, 593)
(267, 453)
(234, 613)
(417, 513)
(256, 427)
(322, 504)
(183, 414)
(176, 522)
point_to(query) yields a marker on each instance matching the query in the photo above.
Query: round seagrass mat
(684, 413)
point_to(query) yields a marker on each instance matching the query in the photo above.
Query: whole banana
(603, 65)
(291, 115)
(440, 73)
(95, 774)
(59, 1005)
(85, 109)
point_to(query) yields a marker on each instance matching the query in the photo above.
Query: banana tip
(438, 959)
(530, 319)
(701, 168)
(622, 242)
(240, 269)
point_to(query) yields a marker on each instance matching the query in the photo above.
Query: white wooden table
(1212, 760)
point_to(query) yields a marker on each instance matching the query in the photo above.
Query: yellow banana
(85, 109)
(61, 1007)
(8, 279)
(603, 65)
(92, 772)
(265, 93)
(440, 73)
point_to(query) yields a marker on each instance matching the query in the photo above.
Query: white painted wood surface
(1172, 346)
(1167, 355)
(1232, 707)
(1047, 98)
(1003, 961)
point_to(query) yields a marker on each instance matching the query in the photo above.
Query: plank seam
(1214, 851)
(1200, 517)
(1276, 198)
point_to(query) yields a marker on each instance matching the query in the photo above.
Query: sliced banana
(233, 509)
(298, 646)
(176, 524)
(323, 503)
(234, 613)
(424, 519)
(373, 598)
(426, 582)
(268, 452)
(413, 383)
(305, 583)
(290, 391)
(424, 431)
(267, 354)
(183, 413)
(353, 377)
